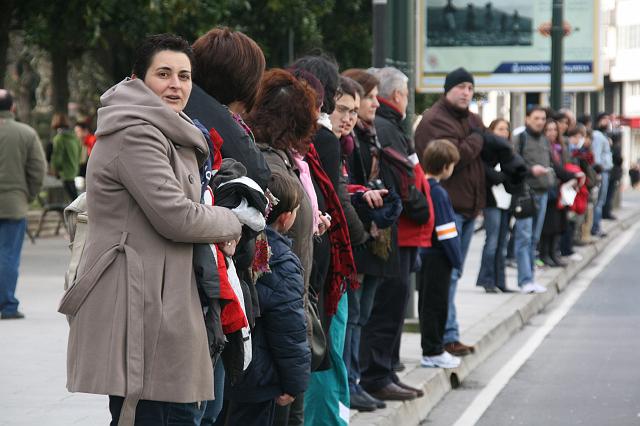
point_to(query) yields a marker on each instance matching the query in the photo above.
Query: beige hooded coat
(136, 325)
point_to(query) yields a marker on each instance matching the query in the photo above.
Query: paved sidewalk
(33, 351)
(486, 321)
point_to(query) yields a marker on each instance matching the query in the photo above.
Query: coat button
(191, 179)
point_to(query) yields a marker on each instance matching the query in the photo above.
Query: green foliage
(97, 38)
(347, 33)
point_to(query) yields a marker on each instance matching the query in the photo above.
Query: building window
(629, 36)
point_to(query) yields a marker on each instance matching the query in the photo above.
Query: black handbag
(523, 203)
(316, 335)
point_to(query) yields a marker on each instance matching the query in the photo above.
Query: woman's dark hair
(312, 81)
(228, 66)
(284, 115)
(324, 69)
(157, 43)
(287, 191)
(497, 121)
(579, 129)
(366, 80)
(348, 86)
(59, 120)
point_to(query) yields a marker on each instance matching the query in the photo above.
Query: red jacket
(410, 233)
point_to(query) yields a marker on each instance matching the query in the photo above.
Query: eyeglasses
(344, 110)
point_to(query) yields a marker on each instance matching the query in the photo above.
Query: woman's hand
(374, 199)
(325, 223)
(228, 248)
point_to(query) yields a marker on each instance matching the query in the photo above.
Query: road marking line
(485, 398)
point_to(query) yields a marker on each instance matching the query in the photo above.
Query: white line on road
(485, 398)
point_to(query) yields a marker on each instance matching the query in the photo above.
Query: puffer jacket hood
(132, 103)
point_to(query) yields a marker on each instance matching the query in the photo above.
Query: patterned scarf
(343, 268)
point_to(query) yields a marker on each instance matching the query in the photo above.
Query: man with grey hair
(380, 339)
(22, 169)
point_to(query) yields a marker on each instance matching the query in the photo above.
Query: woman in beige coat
(136, 326)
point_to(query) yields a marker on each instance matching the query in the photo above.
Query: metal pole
(379, 32)
(557, 63)
(402, 49)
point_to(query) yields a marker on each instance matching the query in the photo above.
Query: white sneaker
(576, 257)
(530, 288)
(444, 360)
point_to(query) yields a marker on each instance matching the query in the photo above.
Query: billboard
(505, 44)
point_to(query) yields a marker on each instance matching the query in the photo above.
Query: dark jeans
(360, 306)
(251, 414)
(11, 238)
(148, 413)
(433, 302)
(611, 193)
(566, 241)
(381, 333)
(214, 407)
(185, 414)
(494, 253)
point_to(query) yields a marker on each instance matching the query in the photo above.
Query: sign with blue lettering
(506, 44)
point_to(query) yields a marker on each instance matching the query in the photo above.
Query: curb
(487, 336)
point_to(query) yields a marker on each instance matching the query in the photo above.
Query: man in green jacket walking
(22, 169)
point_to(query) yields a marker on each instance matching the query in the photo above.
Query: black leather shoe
(398, 367)
(379, 403)
(491, 290)
(506, 290)
(358, 401)
(559, 263)
(393, 392)
(14, 315)
(417, 391)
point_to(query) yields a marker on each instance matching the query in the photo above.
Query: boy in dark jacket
(438, 161)
(281, 362)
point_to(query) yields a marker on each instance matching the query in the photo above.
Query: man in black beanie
(450, 119)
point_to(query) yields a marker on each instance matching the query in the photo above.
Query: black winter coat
(281, 356)
(359, 165)
(237, 144)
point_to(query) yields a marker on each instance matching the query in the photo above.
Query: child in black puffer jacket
(281, 364)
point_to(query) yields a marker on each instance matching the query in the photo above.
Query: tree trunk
(6, 13)
(59, 81)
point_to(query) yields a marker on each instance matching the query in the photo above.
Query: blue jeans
(214, 407)
(494, 253)
(465, 227)
(527, 236)
(185, 414)
(360, 306)
(11, 238)
(602, 198)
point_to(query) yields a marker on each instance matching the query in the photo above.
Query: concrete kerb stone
(487, 336)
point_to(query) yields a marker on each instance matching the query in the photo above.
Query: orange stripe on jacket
(446, 231)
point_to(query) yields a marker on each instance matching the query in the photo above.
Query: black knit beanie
(456, 77)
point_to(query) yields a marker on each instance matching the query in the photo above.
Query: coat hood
(132, 103)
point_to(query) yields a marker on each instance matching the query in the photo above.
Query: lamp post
(557, 63)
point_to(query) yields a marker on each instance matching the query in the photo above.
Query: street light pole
(401, 52)
(379, 32)
(557, 63)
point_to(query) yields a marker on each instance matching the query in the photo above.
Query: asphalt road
(584, 372)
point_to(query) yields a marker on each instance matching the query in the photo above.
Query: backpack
(77, 220)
